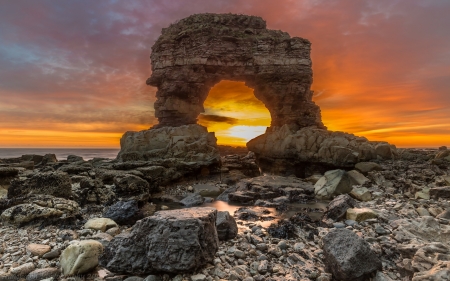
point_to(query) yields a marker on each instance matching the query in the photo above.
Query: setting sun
(234, 113)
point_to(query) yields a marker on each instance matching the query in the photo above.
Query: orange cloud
(74, 73)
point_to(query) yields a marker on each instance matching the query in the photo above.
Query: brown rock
(194, 54)
(38, 249)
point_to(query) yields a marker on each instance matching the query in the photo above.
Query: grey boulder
(349, 257)
(226, 226)
(173, 241)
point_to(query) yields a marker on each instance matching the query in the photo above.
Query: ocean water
(61, 153)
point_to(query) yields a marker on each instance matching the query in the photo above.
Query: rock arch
(197, 52)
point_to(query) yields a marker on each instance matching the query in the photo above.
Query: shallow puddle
(313, 209)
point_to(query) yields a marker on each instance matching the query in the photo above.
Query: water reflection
(312, 209)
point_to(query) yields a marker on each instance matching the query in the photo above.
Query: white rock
(80, 257)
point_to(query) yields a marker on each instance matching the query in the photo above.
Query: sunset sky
(72, 73)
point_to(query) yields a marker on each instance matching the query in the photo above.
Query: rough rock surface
(40, 208)
(226, 226)
(101, 224)
(349, 257)
(169, 241)
(189, 143)
(192, 200)
(268, 189)
(337, 208)
(197, 52)
(51, 183)
(124, 212)
(288, 150)
(334, 182)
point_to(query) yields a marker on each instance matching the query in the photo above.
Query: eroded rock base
(189, 144)
(288, 151)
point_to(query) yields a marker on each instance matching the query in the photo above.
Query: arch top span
(195, 53)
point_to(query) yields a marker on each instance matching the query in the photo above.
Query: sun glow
(234, 113)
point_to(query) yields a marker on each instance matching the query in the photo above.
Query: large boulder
(289, 150)
(334, 182)
(349, 257)
(49, 183)
(41, 208)
(169, 241)
(189, 143)
(80, 257)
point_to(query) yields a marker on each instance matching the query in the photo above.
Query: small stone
(113, 231)
(339, 225)
(134, 278)
(422, 195)
(282, 245)
(299, 246)
(152, 278)
(198, 277)
(361, 214)
(239, 254)
(43, 273)
(22, 270)
(101, 224)
(435, 211)
(263, 267)
(362, 194)
(164, 207)
(422, 211)
(52, 254)
(38, 249)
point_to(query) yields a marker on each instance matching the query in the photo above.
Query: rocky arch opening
(234, 113)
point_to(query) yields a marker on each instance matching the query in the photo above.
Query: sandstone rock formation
(189, 143)
(288, 150)
(197, 52)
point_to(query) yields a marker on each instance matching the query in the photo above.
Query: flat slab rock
(172, 241)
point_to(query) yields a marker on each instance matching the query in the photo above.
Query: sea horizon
(61, 153)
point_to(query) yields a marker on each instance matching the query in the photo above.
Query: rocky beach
(70, 217)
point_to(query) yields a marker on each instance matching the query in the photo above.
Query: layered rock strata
(287, 150)
(188, 143)
(197, 52)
